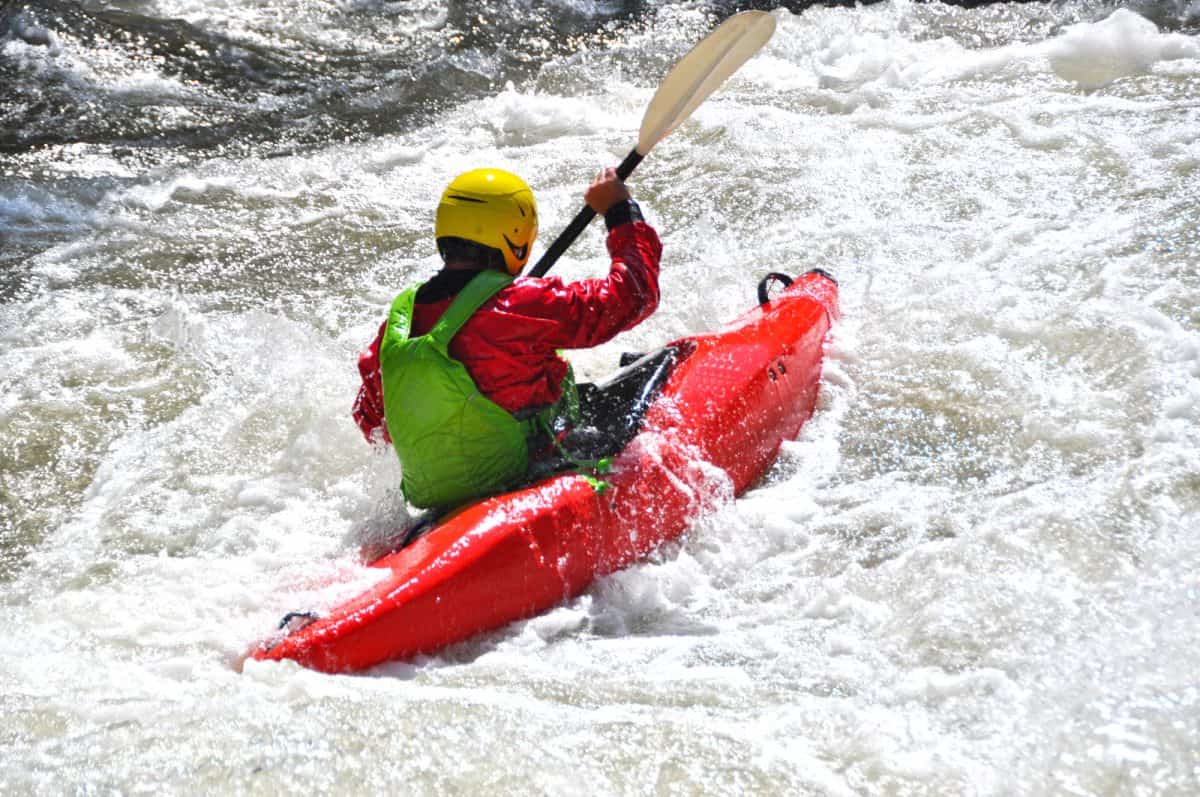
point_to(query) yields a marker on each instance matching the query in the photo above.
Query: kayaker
(465, 378)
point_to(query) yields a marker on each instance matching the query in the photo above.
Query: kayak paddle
(689, 83)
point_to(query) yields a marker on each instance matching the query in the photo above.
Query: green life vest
(454, 443)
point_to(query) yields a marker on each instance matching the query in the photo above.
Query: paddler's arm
(593, 311)
(631, 241)
(368, 406)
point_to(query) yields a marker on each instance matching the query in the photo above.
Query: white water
(975, 573)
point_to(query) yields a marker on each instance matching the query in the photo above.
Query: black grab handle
(765, 282)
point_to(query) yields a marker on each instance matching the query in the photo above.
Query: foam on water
(1122, 45)
(972, 573)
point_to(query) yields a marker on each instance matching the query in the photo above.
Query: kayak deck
(731, 400)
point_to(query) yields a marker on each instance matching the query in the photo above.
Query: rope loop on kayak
(764, 285)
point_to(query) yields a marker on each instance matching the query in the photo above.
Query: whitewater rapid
(974, 573)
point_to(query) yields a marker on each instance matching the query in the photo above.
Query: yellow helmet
(493, 209)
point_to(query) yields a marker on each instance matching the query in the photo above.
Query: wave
(281, 74)
(284, 74)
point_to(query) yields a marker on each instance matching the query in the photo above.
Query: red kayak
(728, 398)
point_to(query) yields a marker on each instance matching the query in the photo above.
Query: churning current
(974, 573)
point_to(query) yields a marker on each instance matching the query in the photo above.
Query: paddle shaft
(697, 75)
(582, 219)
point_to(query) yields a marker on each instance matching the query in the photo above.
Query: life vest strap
(483, 286)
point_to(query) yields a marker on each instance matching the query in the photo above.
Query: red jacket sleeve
(593, 311)
(368, 406)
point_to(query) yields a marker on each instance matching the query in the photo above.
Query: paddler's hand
(605, 191)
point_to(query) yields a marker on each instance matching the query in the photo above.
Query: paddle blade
(702, 71)
(697, 75)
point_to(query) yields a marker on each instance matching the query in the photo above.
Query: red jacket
(509, 346)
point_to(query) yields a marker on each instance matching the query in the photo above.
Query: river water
(974, 573)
